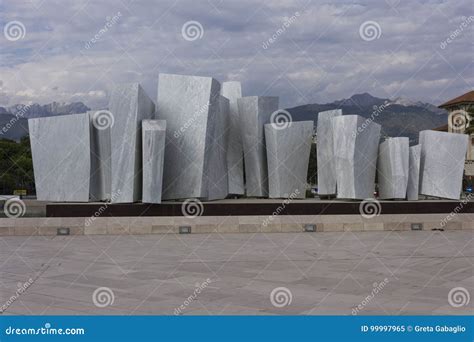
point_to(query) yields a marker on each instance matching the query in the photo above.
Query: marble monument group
(201, 139)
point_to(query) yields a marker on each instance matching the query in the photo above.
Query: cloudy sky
(303, 51)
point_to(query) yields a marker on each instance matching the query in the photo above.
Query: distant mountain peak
(361, 100)
(36, 110)
(398, 117)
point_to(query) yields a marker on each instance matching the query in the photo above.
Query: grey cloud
(319, 57)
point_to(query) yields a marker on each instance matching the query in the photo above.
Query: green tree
(16, 166)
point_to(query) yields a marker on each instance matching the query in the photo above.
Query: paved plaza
(323, 273)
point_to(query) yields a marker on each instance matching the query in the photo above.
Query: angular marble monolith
(255, 111)
(217, 172)
(153, 145)
(101, 168)
(60, 147)
(191, 107)
(325, 152)
(356, 142)
(392, 168)
(129, 105)
(442, 163)
(414, 173)
(235, 152)
(288, 148)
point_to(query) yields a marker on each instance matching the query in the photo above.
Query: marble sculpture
(153, 143)
(255, 112)
(414, 173)
(355, 148)
(235, 153)
(288, 150)
(199, 138)
(129, 105)
(60, 148)
(101, 169)
(195, 116)
(442, 163)
(392, 168)
(325, 152)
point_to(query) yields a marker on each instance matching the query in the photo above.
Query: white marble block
(414, 173)
(218, 131)
(255, 111)
(392, 168)
(129, 105)
(356, 142)
(60, 147)
(191, 107)
(101, 168)
(442, 163)
(288, 150)
(153, 144)
(235, 152)
(325, 152)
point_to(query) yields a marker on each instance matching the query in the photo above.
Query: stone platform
(241, 216)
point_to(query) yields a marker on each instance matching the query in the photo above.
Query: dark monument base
(242, 207)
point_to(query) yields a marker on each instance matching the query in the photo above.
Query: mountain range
(14, 119)
(398, 117)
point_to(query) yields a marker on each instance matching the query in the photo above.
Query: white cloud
(319, 57)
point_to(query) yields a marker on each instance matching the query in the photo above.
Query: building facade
(459, 122)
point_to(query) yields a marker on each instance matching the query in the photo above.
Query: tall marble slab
(101, 168)
(153, 144)
(235, 152)
(255, 111)
(356, 142)
(414, 173)
(129, 105)
(217, 170)
(288, 150)
(442, 163)
(60, 147)
(325, 152)
(392, 168)
(191, 107)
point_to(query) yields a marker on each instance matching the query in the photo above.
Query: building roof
(465, 98)
(443, 128)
